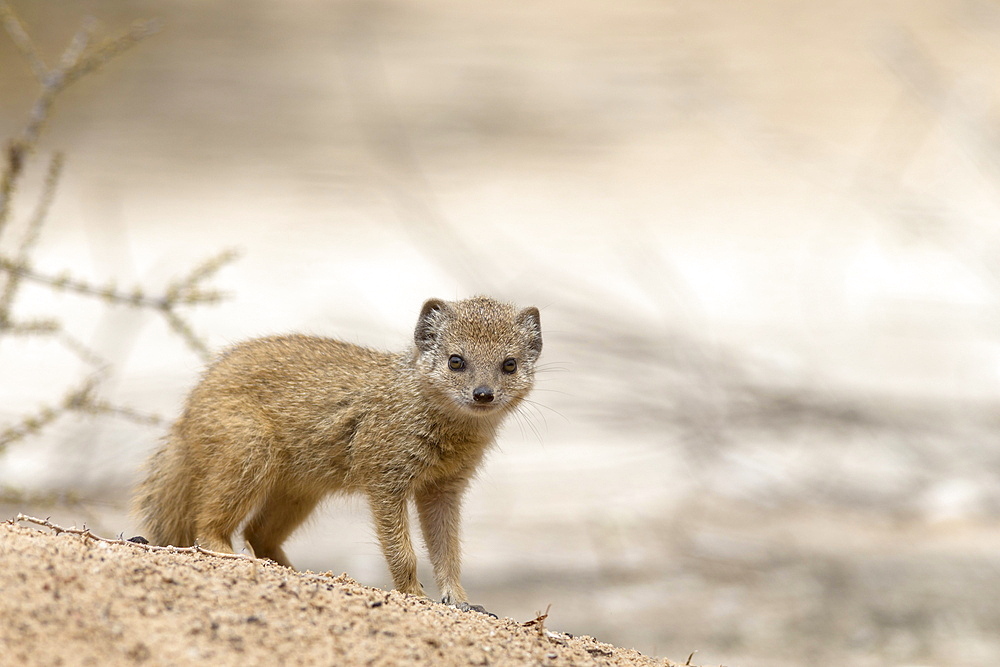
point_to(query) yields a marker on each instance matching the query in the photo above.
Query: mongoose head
(479, 354)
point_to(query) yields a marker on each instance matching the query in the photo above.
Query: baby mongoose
(276, 424)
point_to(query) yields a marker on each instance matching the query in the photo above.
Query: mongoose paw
(465, 606)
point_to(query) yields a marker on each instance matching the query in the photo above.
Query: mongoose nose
(482, 395)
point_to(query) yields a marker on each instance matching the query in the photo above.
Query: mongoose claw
(465, 606)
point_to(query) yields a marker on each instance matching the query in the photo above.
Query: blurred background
(764, 239)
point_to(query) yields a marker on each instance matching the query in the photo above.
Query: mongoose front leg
(392, 525)
(439, 509)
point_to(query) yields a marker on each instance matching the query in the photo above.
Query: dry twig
(87, 534)
(539, 621)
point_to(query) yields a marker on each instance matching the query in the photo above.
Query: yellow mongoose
(276, 424)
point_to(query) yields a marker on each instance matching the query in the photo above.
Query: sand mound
(74, 599)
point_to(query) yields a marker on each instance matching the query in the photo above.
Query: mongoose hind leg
(224, 500)
(214, 536)
(281, 513)
(214, 523)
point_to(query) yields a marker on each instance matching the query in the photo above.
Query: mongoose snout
(482, 395)
(277, 424)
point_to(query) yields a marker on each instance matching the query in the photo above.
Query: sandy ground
(69, 599)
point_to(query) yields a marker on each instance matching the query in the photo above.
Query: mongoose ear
(427, 324)
(531, 321)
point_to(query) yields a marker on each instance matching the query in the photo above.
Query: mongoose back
(276, 424)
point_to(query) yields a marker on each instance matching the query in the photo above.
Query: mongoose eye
(456, 363)
(510, 365)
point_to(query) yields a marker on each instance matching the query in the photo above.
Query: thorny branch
(75, 62)
(22, 41)
(30, 236)
(79, 58)
(85, 533)
(183, 292)
(30, 424)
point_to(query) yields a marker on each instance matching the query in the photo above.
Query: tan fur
(278, 423)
